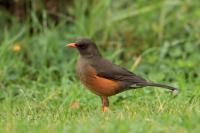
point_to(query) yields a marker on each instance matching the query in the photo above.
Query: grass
(39, 91)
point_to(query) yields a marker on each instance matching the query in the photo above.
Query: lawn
(158, 40)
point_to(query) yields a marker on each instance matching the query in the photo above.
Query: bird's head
(86, 47)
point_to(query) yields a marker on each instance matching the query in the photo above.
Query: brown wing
(106, 69)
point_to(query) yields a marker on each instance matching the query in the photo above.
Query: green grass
(38, 85)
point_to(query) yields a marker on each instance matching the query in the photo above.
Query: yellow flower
(16, 47)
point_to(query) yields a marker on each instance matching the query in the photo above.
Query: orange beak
(71, 45)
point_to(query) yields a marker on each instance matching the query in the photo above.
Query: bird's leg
(105, 103)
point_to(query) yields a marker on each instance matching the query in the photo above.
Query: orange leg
(105, 103)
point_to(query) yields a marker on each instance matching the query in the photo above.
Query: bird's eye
(82, 46)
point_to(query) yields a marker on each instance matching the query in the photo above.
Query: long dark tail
(173, 89)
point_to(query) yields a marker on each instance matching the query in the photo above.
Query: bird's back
(123, 77)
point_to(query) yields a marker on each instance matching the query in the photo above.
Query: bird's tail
(173, 89)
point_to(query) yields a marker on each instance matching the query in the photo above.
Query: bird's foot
(104, 109)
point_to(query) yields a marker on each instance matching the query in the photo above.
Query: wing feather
(108, 70)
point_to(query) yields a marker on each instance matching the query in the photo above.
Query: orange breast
(98, 85)
(102, 86)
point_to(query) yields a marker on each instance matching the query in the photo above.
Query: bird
(104, 78)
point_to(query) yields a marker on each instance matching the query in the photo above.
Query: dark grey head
(86, 47)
